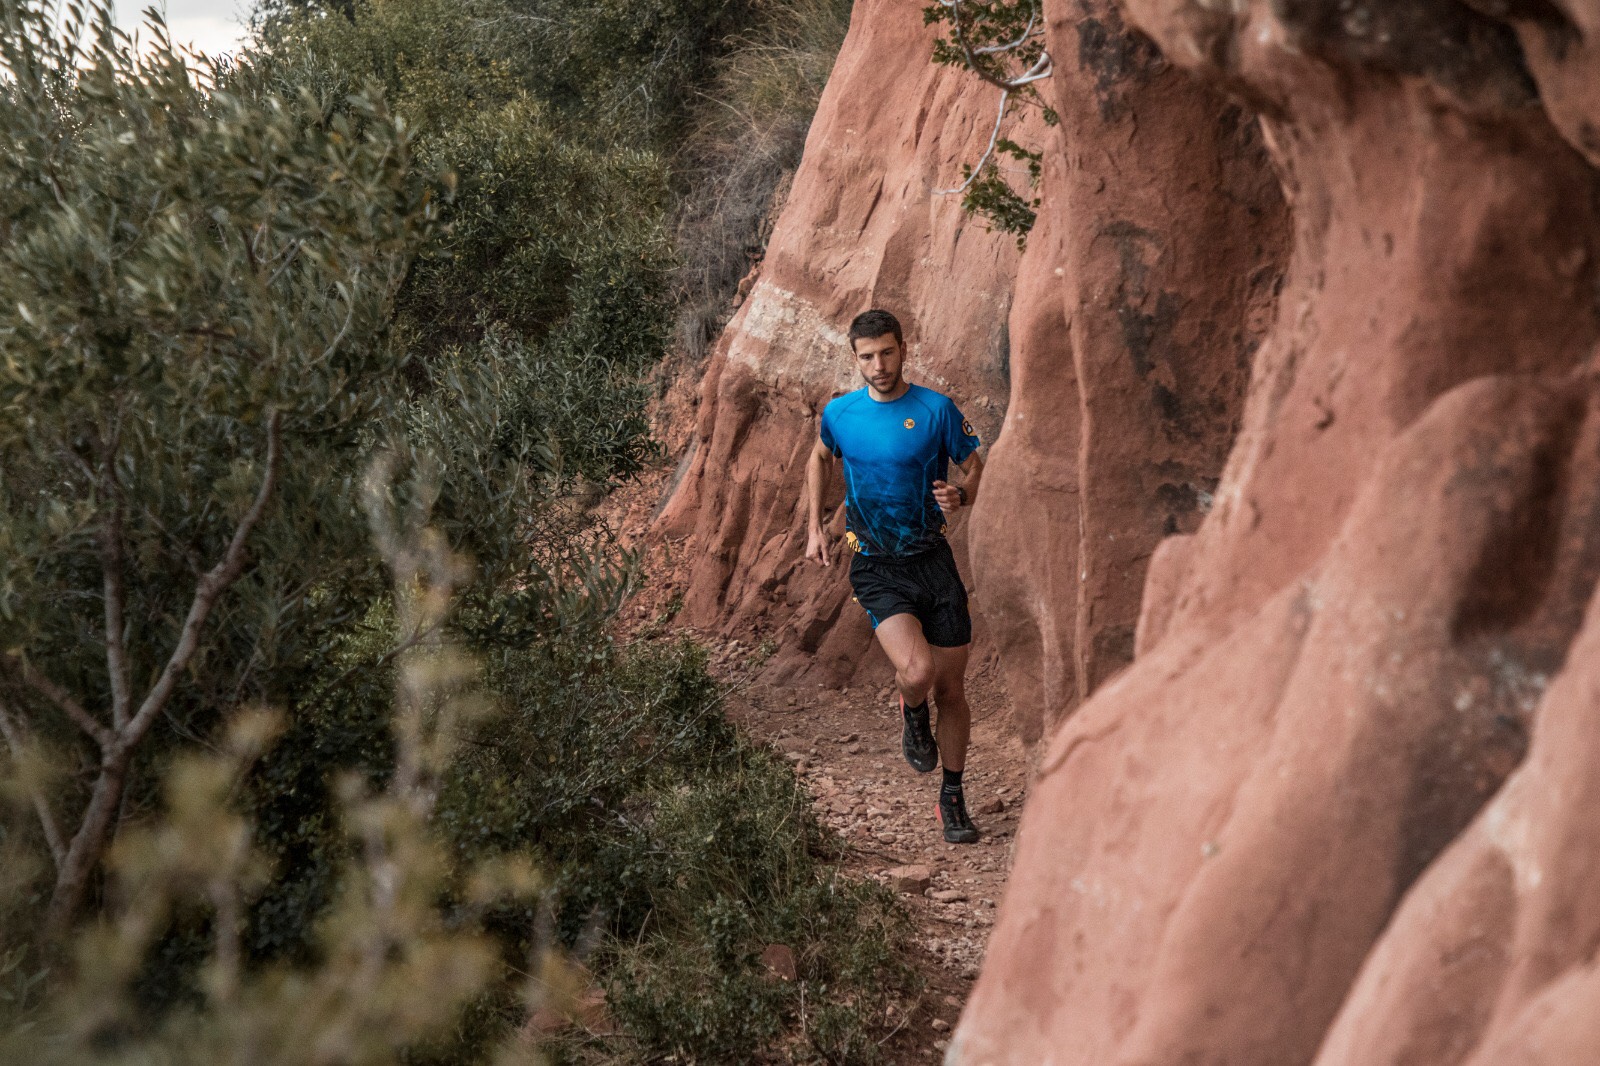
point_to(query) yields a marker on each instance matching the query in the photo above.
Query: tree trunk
(89, 844)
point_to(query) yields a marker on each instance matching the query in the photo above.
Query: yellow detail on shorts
(911, 423)
(851, 539)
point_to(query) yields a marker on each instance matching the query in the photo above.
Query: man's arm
(948, 496)
(817, 546)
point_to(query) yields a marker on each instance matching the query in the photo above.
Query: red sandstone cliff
(1341, 809)
(1143, 295)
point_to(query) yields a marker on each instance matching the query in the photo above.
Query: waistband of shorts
(903, 560)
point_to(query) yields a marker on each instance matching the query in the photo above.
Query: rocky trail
(845, 745)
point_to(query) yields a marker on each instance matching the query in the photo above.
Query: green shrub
(688, 847)
(627, 71)
(555, 242)
(542, 230)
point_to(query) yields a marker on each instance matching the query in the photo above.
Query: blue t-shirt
(893, 453)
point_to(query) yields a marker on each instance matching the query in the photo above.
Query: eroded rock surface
(1340, 810)
(1145, 289)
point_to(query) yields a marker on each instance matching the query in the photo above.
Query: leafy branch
(1002, 42)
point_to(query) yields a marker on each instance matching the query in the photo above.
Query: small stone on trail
(948, 895)
(587, 1010)
(910, 879)
(994, 806)
(779, 961)
(940, 1025)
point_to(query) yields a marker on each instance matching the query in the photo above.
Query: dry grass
(747, 135)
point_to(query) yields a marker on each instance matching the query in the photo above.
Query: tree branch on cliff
(993, 39)
(994, 135)
(1011, 46)
(1040, 69)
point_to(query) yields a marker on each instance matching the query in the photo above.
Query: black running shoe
(916, 739)
(958, 828)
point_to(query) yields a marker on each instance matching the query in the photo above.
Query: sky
(211, 26)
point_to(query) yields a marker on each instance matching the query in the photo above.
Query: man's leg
(901, 638)
(955, 727)
(950, 697)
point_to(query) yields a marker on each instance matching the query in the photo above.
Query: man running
(897, 440)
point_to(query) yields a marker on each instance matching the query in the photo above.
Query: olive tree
(196, 277)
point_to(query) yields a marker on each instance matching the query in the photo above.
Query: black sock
(921, 708)
(952, 782)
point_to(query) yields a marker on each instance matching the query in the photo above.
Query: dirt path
(845, 744)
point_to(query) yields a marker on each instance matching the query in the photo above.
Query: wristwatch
(963, 494)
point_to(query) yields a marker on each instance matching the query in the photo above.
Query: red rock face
(864, 227)
(1340, 809)
(1140, 303)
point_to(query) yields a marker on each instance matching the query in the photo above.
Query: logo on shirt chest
(911, 423)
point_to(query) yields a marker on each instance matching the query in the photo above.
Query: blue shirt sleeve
(827, 433)
(960, 439)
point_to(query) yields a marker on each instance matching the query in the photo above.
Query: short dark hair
(875, 323)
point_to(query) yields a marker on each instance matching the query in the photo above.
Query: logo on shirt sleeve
(966, 427)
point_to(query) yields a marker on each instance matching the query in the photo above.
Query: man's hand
(818, 548)
(947, 496)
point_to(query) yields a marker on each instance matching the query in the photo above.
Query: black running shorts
(926, 585)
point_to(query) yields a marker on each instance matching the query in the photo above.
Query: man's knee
(918, 673)
(949, 690)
